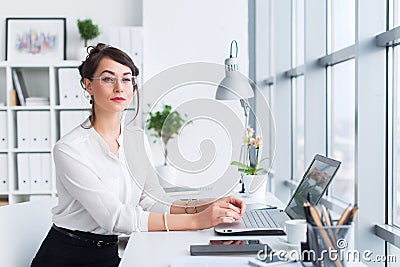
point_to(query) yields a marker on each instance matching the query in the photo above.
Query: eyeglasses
(110, 81)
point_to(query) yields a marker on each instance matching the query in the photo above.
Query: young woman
(99, 197)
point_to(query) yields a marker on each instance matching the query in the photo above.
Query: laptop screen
(315, 181)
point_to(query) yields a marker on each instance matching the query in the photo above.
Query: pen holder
(328, 245)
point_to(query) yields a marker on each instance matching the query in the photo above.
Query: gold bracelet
(187, 206)
(195, 208)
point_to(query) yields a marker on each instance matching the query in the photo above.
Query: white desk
(160, 248)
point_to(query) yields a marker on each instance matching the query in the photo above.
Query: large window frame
(370, 22)
(296, 74)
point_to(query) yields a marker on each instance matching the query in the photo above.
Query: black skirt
(63, 247)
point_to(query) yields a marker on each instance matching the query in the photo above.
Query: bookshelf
(47, 80)
(41, 124)
(18, 159)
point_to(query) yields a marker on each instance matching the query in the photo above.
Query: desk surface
(161, 248)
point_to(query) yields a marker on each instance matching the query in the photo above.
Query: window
(299, 32)
(342, 128)
(330, 97)
(342, 24)
(396, 136)
(393, 256)
(396, 13)
(394, 99)
(341, 97)
(298, 90)
(394, 62)
(298, 133)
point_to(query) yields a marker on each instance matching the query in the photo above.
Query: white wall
(104, 13)
(174, 32)
(180, 31)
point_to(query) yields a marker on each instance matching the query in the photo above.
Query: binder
(70, 91)
(129, 39)
(3, 130)
(43, 120)
(45, 179)
(34, 129)
(3, 173)
(23, 129)
(23, 172)
(20, 86)
(35, 171)
(136, 41)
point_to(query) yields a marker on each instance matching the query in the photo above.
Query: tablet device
(230, 247)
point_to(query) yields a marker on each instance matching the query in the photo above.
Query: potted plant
(251, 169)
(165, 125)
(87, 31)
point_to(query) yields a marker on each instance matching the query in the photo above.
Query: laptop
(315, 181)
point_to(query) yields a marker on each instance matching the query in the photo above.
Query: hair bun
(96, 49)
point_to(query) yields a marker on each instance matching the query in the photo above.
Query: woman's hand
(237, 202)
(222, 210)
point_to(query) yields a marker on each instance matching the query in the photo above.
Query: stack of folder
(3, 130)
(71, 94)
(34, 172)
(3, 173)
(37, 101)
(33, 129)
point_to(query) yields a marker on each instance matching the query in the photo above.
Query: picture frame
(35, 39)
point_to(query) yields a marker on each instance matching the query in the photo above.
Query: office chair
(23, 227)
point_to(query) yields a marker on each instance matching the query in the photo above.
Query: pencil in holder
(328, 245)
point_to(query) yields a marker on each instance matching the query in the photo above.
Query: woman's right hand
(220, 211)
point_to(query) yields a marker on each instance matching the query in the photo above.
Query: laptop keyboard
(258, 219)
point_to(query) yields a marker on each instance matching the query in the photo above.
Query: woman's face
(111, 87)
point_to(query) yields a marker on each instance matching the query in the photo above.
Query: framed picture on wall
(35, 39)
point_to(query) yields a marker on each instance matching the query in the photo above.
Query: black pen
(307, 213)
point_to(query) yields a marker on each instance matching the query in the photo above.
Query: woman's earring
(91, 101)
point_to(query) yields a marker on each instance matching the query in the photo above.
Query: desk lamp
(235, 86)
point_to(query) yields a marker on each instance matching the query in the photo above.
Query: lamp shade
(235, 85)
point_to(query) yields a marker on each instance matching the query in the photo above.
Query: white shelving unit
(41, 80)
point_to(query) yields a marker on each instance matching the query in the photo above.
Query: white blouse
(97, 192)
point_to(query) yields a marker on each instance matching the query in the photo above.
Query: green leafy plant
(87, 30)
(250, 140)
(165, 124)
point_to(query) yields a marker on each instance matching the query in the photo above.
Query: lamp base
(242, 190)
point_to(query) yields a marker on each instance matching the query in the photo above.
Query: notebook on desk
(271, 221)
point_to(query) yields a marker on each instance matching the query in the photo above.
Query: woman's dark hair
(92, 61)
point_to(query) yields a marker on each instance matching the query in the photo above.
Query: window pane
(299, 32)
(396, 138)
(393, 256)
(343, 128)
(343, 24)
(299, 129)
(396, 13)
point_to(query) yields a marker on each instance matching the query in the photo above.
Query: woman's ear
(88, 85)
